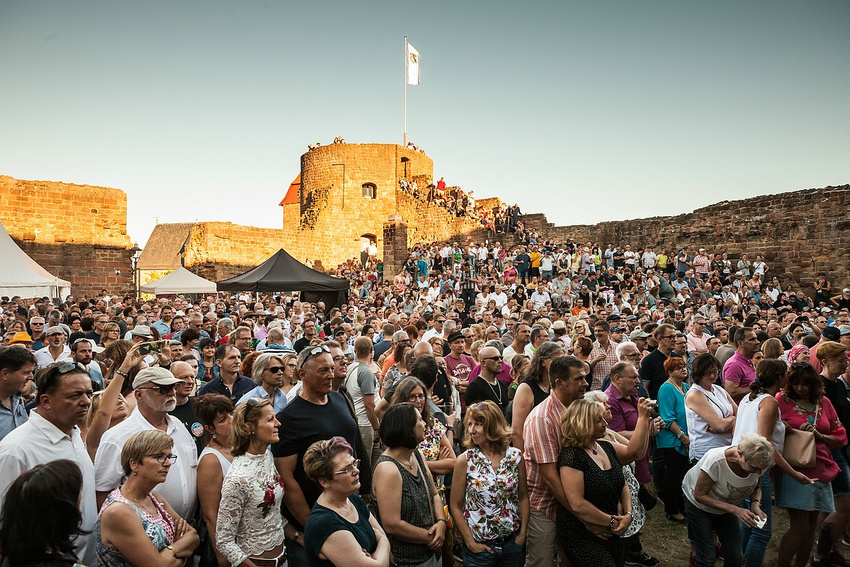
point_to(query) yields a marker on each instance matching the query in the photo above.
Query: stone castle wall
(333, 214)
(799, 234)
(76, 232)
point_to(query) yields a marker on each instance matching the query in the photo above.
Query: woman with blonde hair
(772, 349)
(136, 526)
(595, 487)
(249, 524)
(110, 333)
(290, 371)
(489, 500)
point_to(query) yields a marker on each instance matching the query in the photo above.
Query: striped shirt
(603, 367)
(541, 436)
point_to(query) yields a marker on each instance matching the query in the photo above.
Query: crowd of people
(487, 406)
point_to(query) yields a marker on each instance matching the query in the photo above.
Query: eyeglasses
(414, 397)
(494, 358)
(36, 324)
(275, 369)
(163, 390)
(668, 337)
(313, 352)
(292, 365)
(162, 457)
(355, 465)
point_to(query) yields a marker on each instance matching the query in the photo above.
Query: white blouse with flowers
(249, 518)
(491, 503)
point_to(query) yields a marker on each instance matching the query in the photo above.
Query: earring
(214, 436)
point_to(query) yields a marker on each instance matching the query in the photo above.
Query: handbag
(799, 448)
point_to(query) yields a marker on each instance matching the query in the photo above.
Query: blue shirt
(671, 407)
(241, 387)
(278, 403)
(12, 418)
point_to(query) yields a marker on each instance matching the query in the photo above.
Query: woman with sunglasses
(290, 372)
(341, 530)
(250, 526)
(803, 405)
(136, 526)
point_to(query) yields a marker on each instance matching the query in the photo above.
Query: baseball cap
(156, 375)
(617, 329)
(638, 334)
(455, 336)
(832, 333)
(844, 330)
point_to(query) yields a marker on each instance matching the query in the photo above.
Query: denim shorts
(841, 483)
(810, 497)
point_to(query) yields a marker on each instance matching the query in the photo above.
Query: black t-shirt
(480, 390)
(301, 344)
(186, 414)
(652, 371)
(303, 423)
(839, 396)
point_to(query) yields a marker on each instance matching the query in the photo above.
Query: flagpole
(404, 73)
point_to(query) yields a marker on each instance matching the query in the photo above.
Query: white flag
(412, 65)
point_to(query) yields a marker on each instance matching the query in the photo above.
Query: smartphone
(151, 347)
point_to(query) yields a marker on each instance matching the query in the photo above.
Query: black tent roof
(282, 272)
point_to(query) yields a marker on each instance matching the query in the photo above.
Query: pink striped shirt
(541, 435)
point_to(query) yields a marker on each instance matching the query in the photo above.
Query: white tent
(180, 280)
(21, 275)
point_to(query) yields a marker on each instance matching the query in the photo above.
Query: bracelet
(122, 373)
(679, 435)
(754, 501)
(443, 520)
(450, 428)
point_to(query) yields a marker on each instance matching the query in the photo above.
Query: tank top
(539, 393)
(416, 503)
(159, 527)
(748, 422)
(225, 464)
(701, 438)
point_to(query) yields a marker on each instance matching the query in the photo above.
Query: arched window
(369, 190)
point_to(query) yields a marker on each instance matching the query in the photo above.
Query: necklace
(130, 494)
(594, 449)
(677, 386)
(496, 390)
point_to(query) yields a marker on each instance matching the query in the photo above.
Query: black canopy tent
(282, 272)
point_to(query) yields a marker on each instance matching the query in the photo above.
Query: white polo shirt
(38, 442)
(180, 487)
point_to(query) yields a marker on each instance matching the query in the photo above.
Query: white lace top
(249, 518)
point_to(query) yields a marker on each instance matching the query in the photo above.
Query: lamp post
(136, 251)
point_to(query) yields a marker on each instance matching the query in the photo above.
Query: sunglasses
(313, 352)
(163, 390)
(275, 369)
(70, 367)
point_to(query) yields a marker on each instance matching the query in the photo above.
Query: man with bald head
(486, 386)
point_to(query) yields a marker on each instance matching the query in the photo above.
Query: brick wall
(76, 232)
(800, 233)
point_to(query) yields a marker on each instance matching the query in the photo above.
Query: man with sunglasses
(652, 372)
(51, 433)
(487, 386)
(56, 349)
(316, 414)
(156, 395)
(36, 328)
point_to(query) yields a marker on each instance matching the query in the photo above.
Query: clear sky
(587, 111)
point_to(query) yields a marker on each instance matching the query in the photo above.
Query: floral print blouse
(430, 446)
(491, 502)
